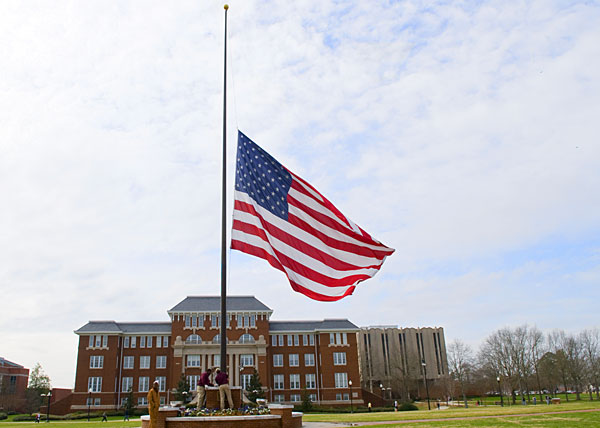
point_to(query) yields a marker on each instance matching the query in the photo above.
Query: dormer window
(246, 338)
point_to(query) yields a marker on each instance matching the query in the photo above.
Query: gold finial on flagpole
(226, 6)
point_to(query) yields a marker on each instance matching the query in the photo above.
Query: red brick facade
(13, 383)
(289, 356)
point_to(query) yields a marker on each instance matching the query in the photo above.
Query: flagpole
(223, 362)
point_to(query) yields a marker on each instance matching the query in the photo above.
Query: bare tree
(590, 341)
(460, 362)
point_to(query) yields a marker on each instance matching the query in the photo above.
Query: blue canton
(263, 178)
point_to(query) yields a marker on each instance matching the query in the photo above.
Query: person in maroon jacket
(202, 384)
(222, 379)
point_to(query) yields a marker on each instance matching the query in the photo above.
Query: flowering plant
(244, 411)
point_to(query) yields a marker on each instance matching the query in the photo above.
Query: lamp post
(500, 390)
(351, 408)
(89, 402)
(49, 395)
(382, 394)
(426, 384)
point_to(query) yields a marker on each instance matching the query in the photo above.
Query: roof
(5, 363)
(326, 324)
(213, 304)
(125, 327)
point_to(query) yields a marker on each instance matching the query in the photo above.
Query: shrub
(3, 416)
(407, 407)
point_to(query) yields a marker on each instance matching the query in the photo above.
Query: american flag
(281, 218)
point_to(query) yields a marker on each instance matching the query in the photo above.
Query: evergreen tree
(307, 404)
(182, 386)
(128, 404)
(254, 388)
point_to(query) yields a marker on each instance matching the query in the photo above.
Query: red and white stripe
(323, 254)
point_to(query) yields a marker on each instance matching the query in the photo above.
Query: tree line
(525, 362)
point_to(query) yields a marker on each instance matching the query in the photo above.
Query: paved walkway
(412, 421)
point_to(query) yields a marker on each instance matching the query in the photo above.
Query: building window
(128, 362)
(279, 398)
(295, 398)
(346, 396)
(252, 320)
(217, 339)
(294, 381)
(278, 381)
(193, 381)
(133, 341)
(96, 361)
(280, 336)
(277, 360)
(246, 338)
(338, 338)
(162, 383)
(142, 341)
(145, 362)
(217, 360)
(305, 339)
(294, 360)
(309, 360)
(214, 321)
(193, 360)
(149, 342)
(188, 321)
(341, 380)
(144, 384)
(158, 341)
(246, 360)
(311, 382)
(127, 384)
(273, 340)
(96, 401)
(338, 396)
(126, 342)
(339, 358)
(91, 342)
(105, 341)
(246, 380)
(163, 400)
(313, 397)
(165, 341)
(194, 322)
(193, 339)
(290, 340)
(142, 401)
(311, 339)
(296, 340)
(95, 384)
(161, 361)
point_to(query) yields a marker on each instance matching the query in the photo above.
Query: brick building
(13, 384)
(290, 356)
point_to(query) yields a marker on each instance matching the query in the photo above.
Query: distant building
(391, 361)
(13, 383)
(290, 357)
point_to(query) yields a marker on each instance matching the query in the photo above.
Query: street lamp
(351, 409)
(426, 384)
(49, 394)
(500, 389)
(89, 402)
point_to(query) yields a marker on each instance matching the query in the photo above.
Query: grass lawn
(449, 413)
(116, 422)
(584, 420)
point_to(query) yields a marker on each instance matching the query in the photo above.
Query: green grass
(116, 422)
(583, 420)
(449, 413)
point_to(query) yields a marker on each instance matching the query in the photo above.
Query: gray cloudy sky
(463, 134)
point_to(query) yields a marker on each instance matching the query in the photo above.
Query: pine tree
(182, 386)
(254, 388)
(307, 404)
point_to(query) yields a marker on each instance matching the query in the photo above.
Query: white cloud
(463, 135)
